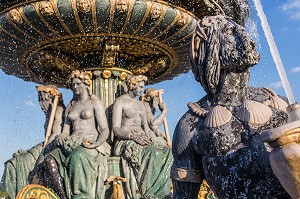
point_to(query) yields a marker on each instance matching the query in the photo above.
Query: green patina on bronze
(30, 34)
(17, 169)
(44, 41)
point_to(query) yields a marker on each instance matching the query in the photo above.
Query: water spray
(293, 109)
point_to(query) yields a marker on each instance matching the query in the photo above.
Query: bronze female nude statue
(145, 161)
(78, 167)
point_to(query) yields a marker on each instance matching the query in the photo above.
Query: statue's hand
(140, 139)
(87, 144)
(59, 139)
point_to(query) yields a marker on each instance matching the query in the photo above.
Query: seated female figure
(145, 162)
(19, 169)
(78, 167)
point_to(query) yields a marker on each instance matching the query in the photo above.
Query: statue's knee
(77, 154)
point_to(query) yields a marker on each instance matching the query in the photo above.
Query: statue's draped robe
(17, 170)
(146, 168)
(83, 170)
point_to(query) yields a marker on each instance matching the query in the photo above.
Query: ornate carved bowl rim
(29, 32)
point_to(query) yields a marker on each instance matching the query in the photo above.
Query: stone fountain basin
(43, 41)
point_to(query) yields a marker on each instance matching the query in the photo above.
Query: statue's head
(80, 76)
(136, 84)
(84, 5)
(122, 6)
(15, 15)
(46, 8)
(152, 97)
(149, 94)
(220, 46)
(46, 95)
(156, 11)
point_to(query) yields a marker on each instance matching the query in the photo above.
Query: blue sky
(21, 119)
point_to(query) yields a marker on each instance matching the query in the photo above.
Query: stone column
(108, 84)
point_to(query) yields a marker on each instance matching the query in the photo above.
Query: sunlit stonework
(83, 5)
(156, 11)
(122, 6)
(15, 15)
(46, 8)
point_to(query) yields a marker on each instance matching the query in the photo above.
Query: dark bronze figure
(219, 137)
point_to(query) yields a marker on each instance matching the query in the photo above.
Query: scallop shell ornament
(197, 109)
(274, 101)
(277, 103)
(254, 113)
(216, 117)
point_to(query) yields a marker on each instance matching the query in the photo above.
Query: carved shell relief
(195, 108)
(275, 101)
(218, 116)
(254, 113)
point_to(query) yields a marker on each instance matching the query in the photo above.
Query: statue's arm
(121, 133)
(57, 123)
(144, 119)
(145, 126)
(66, 128)
(156, 122)
(101, 120)
(149, 114)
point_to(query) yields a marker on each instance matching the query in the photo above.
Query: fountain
(116, 43)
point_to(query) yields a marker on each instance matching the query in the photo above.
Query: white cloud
(292, 4)
(275, 85)
(285, 29)
(296, 69)
(292, 8)
(30, 103)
